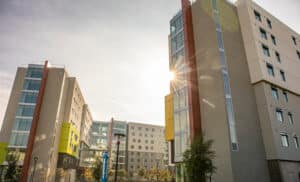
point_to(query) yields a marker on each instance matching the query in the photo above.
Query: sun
(171, 76)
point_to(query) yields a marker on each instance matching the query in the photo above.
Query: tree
(97, 169)
(198, 160)
(12, 171)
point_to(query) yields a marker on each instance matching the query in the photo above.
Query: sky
(117, 49)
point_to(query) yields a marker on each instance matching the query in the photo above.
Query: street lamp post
(35, 159)
(118, 135)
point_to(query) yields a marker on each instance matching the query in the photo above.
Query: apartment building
(99, 135)
(146, 148)
(236, 83)
(45, 121)
(117, 128)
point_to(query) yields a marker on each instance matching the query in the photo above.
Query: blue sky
(118, 49)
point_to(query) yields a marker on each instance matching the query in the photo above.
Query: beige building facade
(246, 64)
(146, 148)
(59, 125)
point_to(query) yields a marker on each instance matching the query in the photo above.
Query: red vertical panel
(190, 59)
(35, 120)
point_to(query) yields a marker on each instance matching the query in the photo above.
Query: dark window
(263, 33)
(278, 57)
(257, 15)
(28, 97)
(273, 39)
(294, 40)
(269, 23)
(298, 54)
(285, 95)
(266, 50)
(270, 69)
(282, 74)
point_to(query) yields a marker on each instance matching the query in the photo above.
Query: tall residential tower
(46, 121)
(237, 84)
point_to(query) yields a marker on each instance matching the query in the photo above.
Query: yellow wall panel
(69, 140)
(3, 152)
(169, 117)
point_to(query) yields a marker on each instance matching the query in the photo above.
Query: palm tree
(198, 160)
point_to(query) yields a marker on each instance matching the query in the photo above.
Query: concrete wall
(48, 131)
(248, 163)
(12, 106)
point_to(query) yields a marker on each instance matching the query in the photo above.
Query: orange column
(192, 78)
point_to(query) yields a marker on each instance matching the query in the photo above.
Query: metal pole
(157, 170)
(35, 159)
(117, 159)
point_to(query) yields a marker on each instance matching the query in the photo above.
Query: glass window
(270, 69)
(31, 84)
(28, 97)
(277, 57)
(282, 74)
(257, 15)
(285, 95)
(34, 72)
(22, 124)
(18, 139)
(279, 115)
(294, 40)
(263, 33)
(273, 39)
(266, 50)
(269, 23)
(291, 119)
(296, 142)
(284, 140)
(275, 93)
(220, 40)
(25, 110)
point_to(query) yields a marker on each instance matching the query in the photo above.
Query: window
(273, 39)
(296, 142)
(285, 95)
(132, 147)
(282, 74)
(270, 69)
(298, 54)
(291, 119)
(279, 115)
(269, 23)
(263, 33)
(134, 140)
(275, 93)
(277, 57)
(34, 72)
(22, 124)
(266, 50)
(294, 40)
(257, 15)
(140, 147)
(284, 140)
(25, 110)
(28, 97)
(31, 84)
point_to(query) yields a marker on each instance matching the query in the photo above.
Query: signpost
(104, 167)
